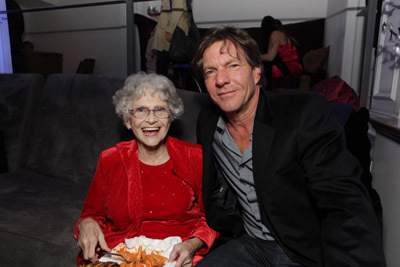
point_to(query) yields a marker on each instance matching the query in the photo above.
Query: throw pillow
(314, 60)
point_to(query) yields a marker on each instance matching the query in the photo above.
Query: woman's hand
(91, 239)
(183, 252)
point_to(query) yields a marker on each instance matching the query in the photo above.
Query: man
(278, 182)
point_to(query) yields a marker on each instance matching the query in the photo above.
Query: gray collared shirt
(237, 169)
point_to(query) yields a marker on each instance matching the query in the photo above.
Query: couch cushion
(37, 216)
(184, 128)
(19, 96)
(315, 60)
(74, 123)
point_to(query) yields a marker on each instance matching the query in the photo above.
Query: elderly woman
(148, 186)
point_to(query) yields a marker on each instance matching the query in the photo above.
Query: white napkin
(164, 246)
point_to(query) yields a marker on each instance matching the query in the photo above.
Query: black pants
(246, 251)
(162, 63)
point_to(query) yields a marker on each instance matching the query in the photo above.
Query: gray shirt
(237, 168)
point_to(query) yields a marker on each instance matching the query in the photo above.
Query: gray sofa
(52, 132)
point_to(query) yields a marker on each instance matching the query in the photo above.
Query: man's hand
(91, 239)
(168, 36)
(183, 252)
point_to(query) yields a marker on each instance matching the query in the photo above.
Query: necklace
(159, 157)
(156, 161)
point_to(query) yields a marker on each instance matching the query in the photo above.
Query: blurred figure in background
(151, 55)
(279, 54)
(173, 13)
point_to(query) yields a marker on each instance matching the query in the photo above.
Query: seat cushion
(37, 216)
(75, 121)
(184, 127)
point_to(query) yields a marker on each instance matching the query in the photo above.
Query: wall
(99, 32)
(344, 33)
(385, 171)
(385, 112)
(233, 12)
(250, 13)
(91, 32)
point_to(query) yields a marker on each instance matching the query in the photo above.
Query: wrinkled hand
(91, 239)
(183, 252)
(168, 36)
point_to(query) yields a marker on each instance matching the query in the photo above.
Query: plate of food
(144, 252)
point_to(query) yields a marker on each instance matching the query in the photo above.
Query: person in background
(27, 47)
(278, 51)
(278, 182)
(150, 185)
(151, 55)
(173, 13)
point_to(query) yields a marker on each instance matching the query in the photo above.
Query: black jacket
(308, 185)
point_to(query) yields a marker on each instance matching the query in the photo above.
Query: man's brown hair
(239, 38)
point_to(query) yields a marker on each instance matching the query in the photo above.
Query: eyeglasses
(143, 112)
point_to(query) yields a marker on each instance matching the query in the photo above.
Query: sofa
(51, 134)
(52, 131)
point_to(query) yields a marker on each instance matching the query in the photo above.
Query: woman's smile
(151, 131)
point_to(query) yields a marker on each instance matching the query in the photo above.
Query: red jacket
(115, 197)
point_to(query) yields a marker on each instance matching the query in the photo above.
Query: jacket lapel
(130, 160)
(207, 136)
(263, 135)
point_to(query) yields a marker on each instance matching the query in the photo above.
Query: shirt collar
(221, 125)
(222, 128)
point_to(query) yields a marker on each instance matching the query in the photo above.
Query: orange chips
(141, 257)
